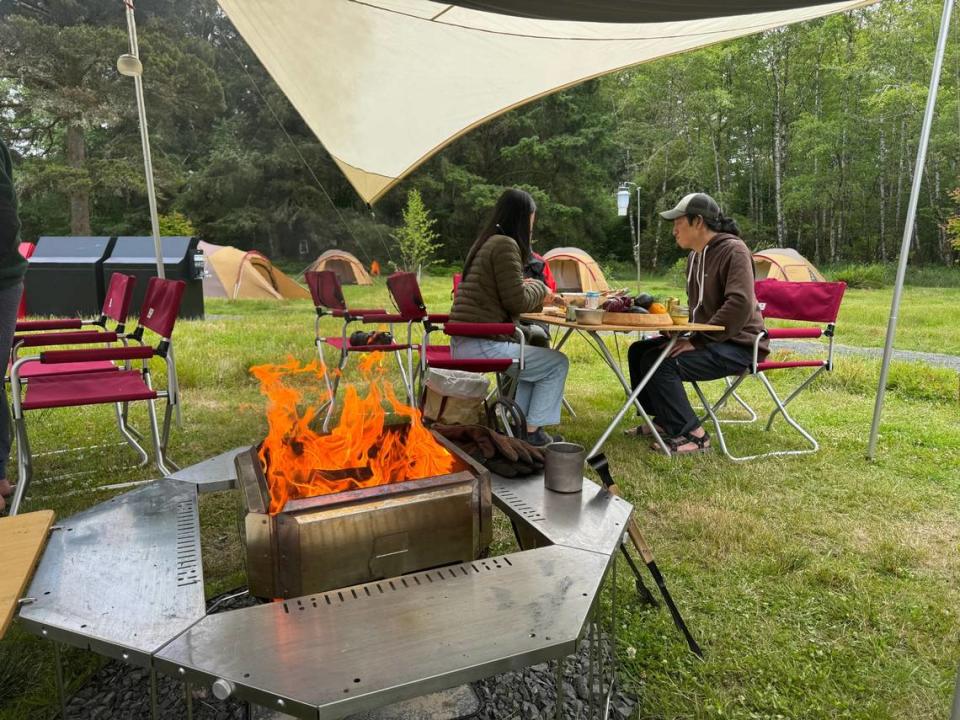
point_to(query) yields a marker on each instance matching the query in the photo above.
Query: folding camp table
(592, 333)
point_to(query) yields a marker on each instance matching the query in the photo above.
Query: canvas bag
(455, 397)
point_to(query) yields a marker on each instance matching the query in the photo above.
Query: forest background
(806, 135)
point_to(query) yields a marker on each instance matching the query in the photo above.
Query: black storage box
(65, 276)
(136, 256)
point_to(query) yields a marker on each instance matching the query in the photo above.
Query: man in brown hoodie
(719, 292)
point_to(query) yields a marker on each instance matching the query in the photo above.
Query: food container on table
(589, 317)
(680, 315)
(571, 313)
(563, 467)
(593, 300)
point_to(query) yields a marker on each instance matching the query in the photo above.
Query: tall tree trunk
(818, 111)
(716, 167)
(778, 158)
(663, 192)
(883, 197)
(900, 170)
(833, 241)
(79, 195)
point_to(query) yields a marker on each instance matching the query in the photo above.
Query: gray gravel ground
(937, 359)
(122, 692)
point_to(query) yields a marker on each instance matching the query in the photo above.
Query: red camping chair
(809, 302)
(67, 331)
(405, 291)
(118, 385)
(327, 294)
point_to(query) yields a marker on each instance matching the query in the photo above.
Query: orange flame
(300, 462)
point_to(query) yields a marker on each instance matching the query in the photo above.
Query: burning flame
(359, 452)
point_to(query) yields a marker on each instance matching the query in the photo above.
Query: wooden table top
(22, 538)
(671, 328)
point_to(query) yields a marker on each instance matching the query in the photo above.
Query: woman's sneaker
(541, 438)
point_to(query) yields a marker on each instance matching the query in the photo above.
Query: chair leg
(331, 402)
(24, 465)
(782, 409)
(165, 434)
(155, 436)
(718, 406)
(132, 430)
(717, 425)
(404, 379)
(125, 430)
(790, 397)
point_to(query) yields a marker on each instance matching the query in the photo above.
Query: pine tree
(416, 238)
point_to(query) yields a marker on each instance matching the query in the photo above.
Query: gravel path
(937, 359)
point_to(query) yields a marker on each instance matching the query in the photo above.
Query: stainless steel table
(124, 579)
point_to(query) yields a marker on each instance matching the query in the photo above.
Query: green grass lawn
(820, 587)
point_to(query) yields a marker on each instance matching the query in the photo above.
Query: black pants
(664, 398)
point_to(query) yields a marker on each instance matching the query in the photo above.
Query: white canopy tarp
(385, 84)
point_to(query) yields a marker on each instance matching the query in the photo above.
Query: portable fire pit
(363, 534)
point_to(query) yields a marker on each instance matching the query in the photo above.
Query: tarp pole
(911, 218)
(145, 139)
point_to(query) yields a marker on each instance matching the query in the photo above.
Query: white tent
(385, 84)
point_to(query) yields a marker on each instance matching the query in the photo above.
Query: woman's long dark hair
(510, 217)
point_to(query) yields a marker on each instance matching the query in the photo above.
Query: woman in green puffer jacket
(493, 290)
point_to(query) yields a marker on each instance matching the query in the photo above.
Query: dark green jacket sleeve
(12, 264)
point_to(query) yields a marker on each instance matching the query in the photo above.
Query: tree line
(807, 135)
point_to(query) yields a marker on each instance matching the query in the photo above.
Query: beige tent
(575, 271)
(349, 270)
(385, 84)
(239, 275)
(785, 264)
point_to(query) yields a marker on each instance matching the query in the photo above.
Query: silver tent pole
(144, 136)
(908, 227)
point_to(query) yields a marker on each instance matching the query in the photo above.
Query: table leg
(558, 346)
(563, 339)
(632, 399)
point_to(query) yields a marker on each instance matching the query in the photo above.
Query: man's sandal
(702, 444)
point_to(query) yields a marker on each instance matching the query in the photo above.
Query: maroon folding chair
(68, 331)
(118, 385)
(328, 299)
(405, 291)
(808, 302)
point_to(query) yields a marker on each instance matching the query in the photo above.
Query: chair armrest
(357, 313)
(464, 329)
(81, 337)
(793, 333)
(439, 318)
(133, 352)
(62, 324)
(384, 318)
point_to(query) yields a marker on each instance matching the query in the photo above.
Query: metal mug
(563, 467)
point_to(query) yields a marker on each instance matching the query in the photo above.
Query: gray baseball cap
(694, 204)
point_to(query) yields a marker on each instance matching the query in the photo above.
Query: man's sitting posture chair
(117, 385)
(809, 302)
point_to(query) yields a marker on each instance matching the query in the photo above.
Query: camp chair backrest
(161, 305)
(325, 289)
(806, 301)
(116, 304)
(405, 291)
(457, 277)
